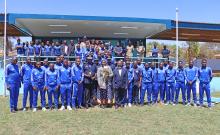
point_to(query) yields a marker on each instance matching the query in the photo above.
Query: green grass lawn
(156, 120)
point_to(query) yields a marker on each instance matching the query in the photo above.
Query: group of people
(101, 81)
(84, 47)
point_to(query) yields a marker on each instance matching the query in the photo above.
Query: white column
(177, 37)
(5, 43)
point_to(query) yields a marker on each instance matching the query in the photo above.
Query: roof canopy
(39, 25)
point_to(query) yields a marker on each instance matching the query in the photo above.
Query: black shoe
(16, 109)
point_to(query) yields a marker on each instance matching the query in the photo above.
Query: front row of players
(83, 85)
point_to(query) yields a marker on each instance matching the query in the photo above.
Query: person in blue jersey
(118, 51)
(79, 52)
(57, 50)
(161, 82)
(170, 84)
(165, 52)
(191, 74)
(120, 83)
(136, 83)
(89, 77)
(37, 80)
(205, 77)
(155, 89)
(58, 63)
(165, 64)
(65, 82)
(13, 83)
(26, 70)
(45, 65)
(48, 49)
(155, 51)
(19, 47)
(146, 80)
(42, 51)
(180, 83)
(77, 78)
(87, 49)
(139, 64)
(37, 50)
(25, 46)
(31, 51)
(130, 82)
(51, 85)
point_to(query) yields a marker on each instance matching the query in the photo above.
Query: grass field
(156, 120)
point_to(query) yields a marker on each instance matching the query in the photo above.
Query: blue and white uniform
(191, 74)
(77, 75)
(205, 77)
(37, 80)
(180, 84)
(146, 84)
(26, 70)
(51, 82)
(12, 79)
(170, 84)
(65, 82)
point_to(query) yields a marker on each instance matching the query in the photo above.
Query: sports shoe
(195, 105)
(129, 105)
(24, 109)
(44, 109)
(35, 109)
(188, 104)
(62, 108)
(69, 108)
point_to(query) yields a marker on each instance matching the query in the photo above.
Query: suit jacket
(120, 81)
(71, 49)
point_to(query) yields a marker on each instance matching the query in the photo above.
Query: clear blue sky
(190, 10)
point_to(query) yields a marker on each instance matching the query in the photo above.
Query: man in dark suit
(120, 80)
(71, 48)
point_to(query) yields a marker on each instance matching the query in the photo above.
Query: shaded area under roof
(109, 27)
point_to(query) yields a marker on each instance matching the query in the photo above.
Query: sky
(190, 10)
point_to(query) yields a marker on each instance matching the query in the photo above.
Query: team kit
(94, 82)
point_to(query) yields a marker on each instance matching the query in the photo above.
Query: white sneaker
(173, 104)
(69, 108)
(195, 105)
(35, 109)
(129, 105)
(188, 104)
(44, 109)
(166, 104)
(24, 109)
(62, 108)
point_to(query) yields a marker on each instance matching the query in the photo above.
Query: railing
(22, 59)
